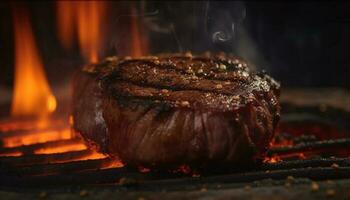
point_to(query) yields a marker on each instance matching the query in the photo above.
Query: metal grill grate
(24, 165)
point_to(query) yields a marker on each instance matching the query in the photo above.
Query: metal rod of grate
(78, 167)
(315, 145)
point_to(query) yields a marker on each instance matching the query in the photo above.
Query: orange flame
(32, 94)
(88, 18)
(90, 15)
(65, 22)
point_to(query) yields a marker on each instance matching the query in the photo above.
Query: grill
(303, 45)
(39, 165)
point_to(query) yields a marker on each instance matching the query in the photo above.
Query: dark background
(298, 43)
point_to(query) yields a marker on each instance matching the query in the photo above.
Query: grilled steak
(173, 110)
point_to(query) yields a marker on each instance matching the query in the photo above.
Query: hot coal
(173, 110)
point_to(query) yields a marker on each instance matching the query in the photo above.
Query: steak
(172, 110)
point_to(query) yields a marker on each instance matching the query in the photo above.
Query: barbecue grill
(42, 157)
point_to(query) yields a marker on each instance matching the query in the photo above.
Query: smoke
(221, 21)
(196, 26)
(221, 36)
(246, 47)
(151, 20)
(226, 26)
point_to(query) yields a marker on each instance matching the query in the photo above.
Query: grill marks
(169, 78)
(190, 75)
(196, 80)
(167, 112)
(174, 97)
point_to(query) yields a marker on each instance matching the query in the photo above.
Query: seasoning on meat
(180, 109)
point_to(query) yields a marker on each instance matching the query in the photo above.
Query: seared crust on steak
(172, 110)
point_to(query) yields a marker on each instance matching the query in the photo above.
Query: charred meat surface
(173, 110)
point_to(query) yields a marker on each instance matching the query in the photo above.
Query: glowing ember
(37, 137)
(62, 149)
(88, 19)
(273, 159)
(112, 164)
(94, 156)
(280, 157)
(32, 94)
(12, 154)
(91, 156)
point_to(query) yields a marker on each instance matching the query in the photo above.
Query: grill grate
(44, 164)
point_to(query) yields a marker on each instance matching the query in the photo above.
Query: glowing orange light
(89, 16)
(62, 149)
(138, 36)
(37, 137)
(273, 159)
(112, 164)
(13, 154)
(94, 156)
(32, 94)
(87, 19)
(65, 22)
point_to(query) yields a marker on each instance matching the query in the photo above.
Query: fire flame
(89, 17)
(32, 94)
(33, 97)
(65, 23)
(85, 18)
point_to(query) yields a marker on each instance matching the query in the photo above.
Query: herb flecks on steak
(174, 110)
